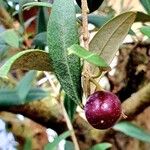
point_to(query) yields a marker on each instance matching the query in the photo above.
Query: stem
(86, 69)
(70, 127)
(85, 11)
(68, 122)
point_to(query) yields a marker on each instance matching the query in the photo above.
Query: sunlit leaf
(101, 146)
(32, 4)
(61, 34)
(108, 39)
(28, 59)
(145, 30)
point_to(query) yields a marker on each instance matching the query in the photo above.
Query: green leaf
(97, 20)
(28, 144)
(10, 37)
(69, 145)
(36, 94)
(70, 107)
(42, 20)
(88, 56)
(54, 144)
(146, 5)
(142, 17)
(101, 146)
(9, 97)
(40, 40)
(145, 30)
(61, 34)
(25, 84)
(108, 39)
(132, 131)
(28, 59)
(32, 4)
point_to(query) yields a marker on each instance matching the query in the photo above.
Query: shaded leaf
(9, 97)
(10, 37)
(145, 30)
(61, 34)
(98, 20)
(146, 5)
(25, 84)
(69, 145)
(40, 40)
(108, 39)
(132, 131)
(88, 56)
(101, 146)
(54, 144)
(28, 59)
(42, 20)
(70, 107)
(142, 17)
(36, 94)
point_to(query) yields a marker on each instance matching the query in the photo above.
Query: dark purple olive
(92, 4)
(102, 109)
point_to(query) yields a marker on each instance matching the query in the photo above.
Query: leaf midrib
(113, 34)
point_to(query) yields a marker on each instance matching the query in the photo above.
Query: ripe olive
(102, 109)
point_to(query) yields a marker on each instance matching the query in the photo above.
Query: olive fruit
(92, 4)
(102, 109)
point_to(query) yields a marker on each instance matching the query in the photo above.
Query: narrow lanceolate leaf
(10, 37)
(145, 30)
(101, 146)
(25, 84)
(54, 144)
(132, 131)
(108, 39)
(9, 97)
(142, 17)
(92, 58)
(146, 5)
(62, 33)
(70, 107)
(29, 59)
(32, 4)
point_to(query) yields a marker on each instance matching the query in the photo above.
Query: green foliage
(101, 146)
(146, 5)
(33, 4)
(108, 39)
(10, 37)
(54, 144)
(22, 93)
(98, 20)
(88, 56)
(142, 17)
(69, 145)
(145, 30)
(28, 59)
(28, 144)
(25, 84)
(132, 131)
(61, 34)
(70, 107)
